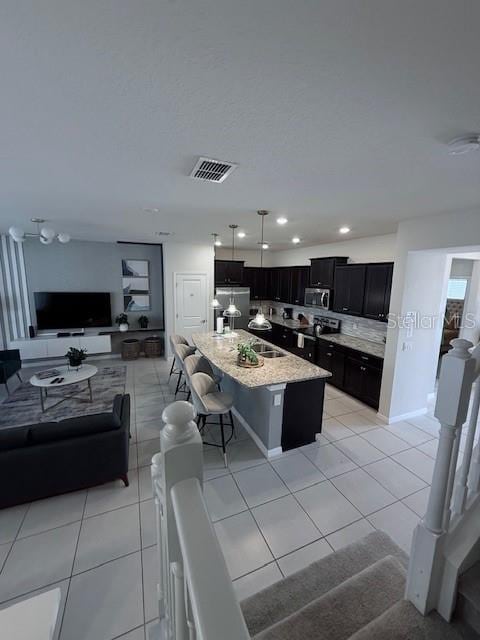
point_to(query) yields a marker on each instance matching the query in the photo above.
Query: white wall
(373, 249)
(184, 258)
(250, 256)
(419, 285)
(461, 268)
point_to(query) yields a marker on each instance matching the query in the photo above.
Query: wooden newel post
(180, 458)
(426, 558)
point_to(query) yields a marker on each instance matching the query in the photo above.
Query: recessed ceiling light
(163, 233)
(265, 245)
(464, 144)
(296, 240)
(282, 220)
(151, 210)
(344, 229)
(241, 234)
(218, 243)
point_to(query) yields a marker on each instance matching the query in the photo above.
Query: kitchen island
(281, 403)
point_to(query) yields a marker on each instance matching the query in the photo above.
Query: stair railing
(196, 599)
(444, 538)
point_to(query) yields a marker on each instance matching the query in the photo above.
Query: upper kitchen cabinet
(300, 279)
(349, 288)
(322, 272)
(378, 285)
(257, 279)
(285, 284)
(228, 272)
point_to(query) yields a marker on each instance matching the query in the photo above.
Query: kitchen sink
(260, 347)
(273, 354)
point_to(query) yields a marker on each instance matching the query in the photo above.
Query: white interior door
(191, 303)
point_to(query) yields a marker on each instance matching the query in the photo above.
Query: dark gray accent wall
(93, 266)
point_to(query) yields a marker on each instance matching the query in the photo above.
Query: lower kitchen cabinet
(354, 372)
(363, 380)
(331, 358)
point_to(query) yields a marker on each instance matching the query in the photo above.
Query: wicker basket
(130, 349)
(153, 347)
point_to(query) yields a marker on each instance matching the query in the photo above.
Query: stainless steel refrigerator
(241, 298)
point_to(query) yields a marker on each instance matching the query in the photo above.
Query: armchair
(10, 364)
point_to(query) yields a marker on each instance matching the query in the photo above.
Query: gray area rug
(23, 406)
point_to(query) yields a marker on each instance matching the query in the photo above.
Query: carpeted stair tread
(403, 622)
(346, 608)
(284, 598)
(468, 601)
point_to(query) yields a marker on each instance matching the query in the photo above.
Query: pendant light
(215, 304)
(231, 311)
(260, 322)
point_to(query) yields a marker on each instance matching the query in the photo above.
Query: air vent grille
(212, 170)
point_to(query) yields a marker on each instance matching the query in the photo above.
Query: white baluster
(426, 559)
(461, 490)
(190, 621)
(451, 479)
(180, 612)
(180, 458)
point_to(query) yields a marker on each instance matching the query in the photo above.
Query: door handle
(203, 321)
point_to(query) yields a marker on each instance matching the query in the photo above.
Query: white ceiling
(337, 112)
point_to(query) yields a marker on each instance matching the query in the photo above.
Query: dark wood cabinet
(358, 374)
(363, 378)
(285, 284)
(378, 285)
(299, 280)
(274, 284)
(256, 279)
(229, 272)
(283, 337)
(332, 358)
(349, 289)
(322, 271)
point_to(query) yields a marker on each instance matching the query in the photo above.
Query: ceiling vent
(212, 170)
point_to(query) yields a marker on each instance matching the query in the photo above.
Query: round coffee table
(70, 376)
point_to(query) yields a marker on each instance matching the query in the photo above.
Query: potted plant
(75, 357)
(247, 357)
(122, 321)
(143, 322)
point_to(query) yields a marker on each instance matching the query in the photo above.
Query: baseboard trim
(403, 416)
(268, 453)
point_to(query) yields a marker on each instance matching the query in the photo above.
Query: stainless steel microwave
(319, 298)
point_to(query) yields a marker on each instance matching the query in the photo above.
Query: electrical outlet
(277, 399)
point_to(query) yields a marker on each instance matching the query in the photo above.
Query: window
(457, 288)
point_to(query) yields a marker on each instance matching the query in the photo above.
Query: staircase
(356, 594)
(467, 613)
(369, 590)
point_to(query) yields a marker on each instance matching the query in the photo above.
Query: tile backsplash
(350, 325)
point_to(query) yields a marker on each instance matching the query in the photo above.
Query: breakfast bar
(279, 403)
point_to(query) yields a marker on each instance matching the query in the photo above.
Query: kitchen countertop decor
(222, 353)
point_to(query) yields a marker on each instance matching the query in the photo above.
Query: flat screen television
(72, 310)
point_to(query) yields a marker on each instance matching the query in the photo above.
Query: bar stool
(181, 351)
(209, 401)
(175, 338)
(195, 364)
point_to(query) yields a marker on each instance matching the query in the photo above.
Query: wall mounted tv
(72, 310)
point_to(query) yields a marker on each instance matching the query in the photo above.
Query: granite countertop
(222, 353)
(359, 344)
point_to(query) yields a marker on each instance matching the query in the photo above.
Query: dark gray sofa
(49, 458)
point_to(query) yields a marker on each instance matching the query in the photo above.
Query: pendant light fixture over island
(260, 322)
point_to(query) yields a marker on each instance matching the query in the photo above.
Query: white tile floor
(271, 517)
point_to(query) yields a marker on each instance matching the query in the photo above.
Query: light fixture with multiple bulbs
(46, 235)
(260, 322)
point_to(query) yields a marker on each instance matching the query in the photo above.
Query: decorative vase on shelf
(143, 322)
(122, 321)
